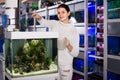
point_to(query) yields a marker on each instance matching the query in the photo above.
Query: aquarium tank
(79, 16)
(53, 17)
(78, 63)
(26, 57)
(81, 40)
(91, 36)
(113, 45)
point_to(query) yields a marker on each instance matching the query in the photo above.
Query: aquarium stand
(36, 77)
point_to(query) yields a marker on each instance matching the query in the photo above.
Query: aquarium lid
(30, 35)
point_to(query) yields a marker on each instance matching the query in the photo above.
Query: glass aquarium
(78, 63)
(114, 45)
(31, 53)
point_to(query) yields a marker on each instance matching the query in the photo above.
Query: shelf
(113, 20)
(41, 10)
(91, 48)
(94, 56)
(113, 9)
(96, 76)
(71, 4)
(78, 72)
(81, 30)
(79, 24)
(74, 1)
(114, 35)
(82, 49)
(80, 27)
(114, 57)
(91, 24)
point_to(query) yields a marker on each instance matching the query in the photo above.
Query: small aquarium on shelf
(53, 17)
(78, 63)
(79, 16)
(81, 40)
(30, 53)
(113, 76)
(114, 45)
(91, 36)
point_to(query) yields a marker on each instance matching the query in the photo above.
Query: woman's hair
(66, 8)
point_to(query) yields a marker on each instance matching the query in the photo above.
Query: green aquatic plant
(31, 57)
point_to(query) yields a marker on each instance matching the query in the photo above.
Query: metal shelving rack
(111, 37)
(98, 70)
(83, 30)
(105, 40)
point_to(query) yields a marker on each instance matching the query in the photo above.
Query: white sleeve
(75, 43)
(47, 23)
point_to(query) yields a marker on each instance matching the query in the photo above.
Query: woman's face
(63, 15)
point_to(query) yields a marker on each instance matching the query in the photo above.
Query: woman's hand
(68, 45)
(37, 16)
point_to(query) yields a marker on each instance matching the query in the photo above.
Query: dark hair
(65, 7)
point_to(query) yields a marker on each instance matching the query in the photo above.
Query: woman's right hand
(37, 16)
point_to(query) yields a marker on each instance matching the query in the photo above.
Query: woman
(68, 41)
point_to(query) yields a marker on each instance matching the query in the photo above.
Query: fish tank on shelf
(30, 53)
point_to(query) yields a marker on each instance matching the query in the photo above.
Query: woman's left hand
(68, 45)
